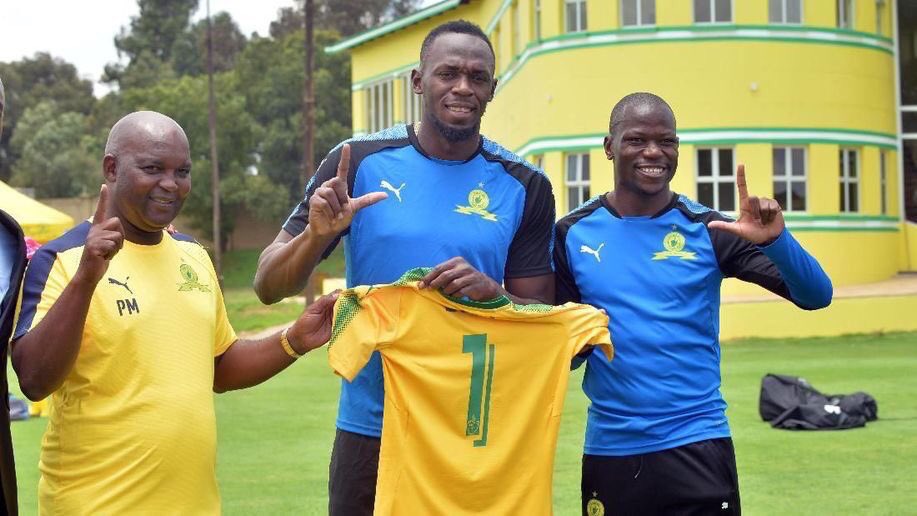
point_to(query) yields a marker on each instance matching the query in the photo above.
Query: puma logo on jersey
(594, 252)
(388, 186)
(113, 281)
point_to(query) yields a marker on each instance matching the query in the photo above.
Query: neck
(632, 204)
(437, 146)
(137, 236)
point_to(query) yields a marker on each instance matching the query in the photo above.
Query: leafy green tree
(33, 80)
(190, 56)
(347, 18)
(270, 75)
(55, 155)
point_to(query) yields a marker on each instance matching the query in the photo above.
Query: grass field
(275, 439)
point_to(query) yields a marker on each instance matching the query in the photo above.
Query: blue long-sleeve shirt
(659, 280)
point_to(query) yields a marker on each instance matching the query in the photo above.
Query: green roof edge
(423, 14)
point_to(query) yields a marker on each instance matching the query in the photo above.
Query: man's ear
(416, 82)
(110, 168)
(607, 144)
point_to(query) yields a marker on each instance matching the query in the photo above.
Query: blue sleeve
(807, 282)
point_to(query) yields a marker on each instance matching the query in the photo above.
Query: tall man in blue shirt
(657, 438)
(435, 192)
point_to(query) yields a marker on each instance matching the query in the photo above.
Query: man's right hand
(105, 239)
(331, 209)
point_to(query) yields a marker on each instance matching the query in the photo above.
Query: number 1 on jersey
(479, 393)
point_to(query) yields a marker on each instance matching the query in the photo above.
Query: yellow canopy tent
(38, 221)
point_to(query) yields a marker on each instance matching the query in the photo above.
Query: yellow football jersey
(133, 429)
(473, 393)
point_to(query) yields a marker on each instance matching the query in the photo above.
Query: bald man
(12, 266)
(123, 325)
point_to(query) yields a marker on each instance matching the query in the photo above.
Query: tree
(31, 81)
(152, 37)
(55, 155)
(190, 55)
(347, 18)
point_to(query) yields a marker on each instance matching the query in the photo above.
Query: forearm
(249, 362)
(285, 266)
(808, 284)
(43, 357)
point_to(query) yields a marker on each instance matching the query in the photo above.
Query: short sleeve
(530, 251)
(590, 328)
(224, 335)
(365, 320)
(45, 280)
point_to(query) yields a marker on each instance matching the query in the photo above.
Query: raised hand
(760, 219)
(105, 239)
(457, 277)
(331, 209)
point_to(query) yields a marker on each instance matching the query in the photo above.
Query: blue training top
(659, 280)
(493, 209)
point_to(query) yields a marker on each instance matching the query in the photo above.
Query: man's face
(645, 149)
(152, 178)
(457, 81)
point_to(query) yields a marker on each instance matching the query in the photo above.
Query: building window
(575, 14)
(536, 19)
(413, 103)
(850, 181)
(845, 14)
(790, 178)
(883, 184)
(880, 15)
(516, 31)
(785, 11)
(716, 184)
(380, 102)
(712, 11)
(638, 12)
(538, 161)
(577, 182)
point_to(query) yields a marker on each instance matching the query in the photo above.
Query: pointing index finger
(740, 183)
(344, 163)
(101, 207)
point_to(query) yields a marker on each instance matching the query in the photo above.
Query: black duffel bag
(791, 403)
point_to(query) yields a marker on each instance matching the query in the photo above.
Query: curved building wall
(745, 91)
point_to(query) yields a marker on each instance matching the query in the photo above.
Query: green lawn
(275, 439)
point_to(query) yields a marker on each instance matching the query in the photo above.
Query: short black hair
(458, 27)
(640, 98)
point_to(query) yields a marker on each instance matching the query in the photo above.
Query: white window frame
(638, 7)
(883, 182)
(788, 178)
(377, 119)
(713, 16)
(847, 180)
(845, 10)
(581, 21)
(578, 183)
(538, 161)
(536, 20)
(715, 178)
(784, 10)
(412, 104)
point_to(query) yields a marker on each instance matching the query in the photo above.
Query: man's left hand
(313, 328)
(456, 277)
(760, 219)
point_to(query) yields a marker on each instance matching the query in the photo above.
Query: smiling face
(150, 176)
(645, 152)
(456, 80)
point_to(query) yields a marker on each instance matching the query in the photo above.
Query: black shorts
(697, 478)
(352, 474)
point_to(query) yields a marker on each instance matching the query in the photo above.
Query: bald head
(142, 129)
(633, 101)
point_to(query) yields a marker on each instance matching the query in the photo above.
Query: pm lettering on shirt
(129, 305)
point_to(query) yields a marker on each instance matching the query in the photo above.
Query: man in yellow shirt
(123, 325)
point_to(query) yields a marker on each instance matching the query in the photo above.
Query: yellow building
(806, 93)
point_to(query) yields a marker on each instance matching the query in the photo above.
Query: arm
(775, 261)
(44, 356)
(249, 362)
(286, 264)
